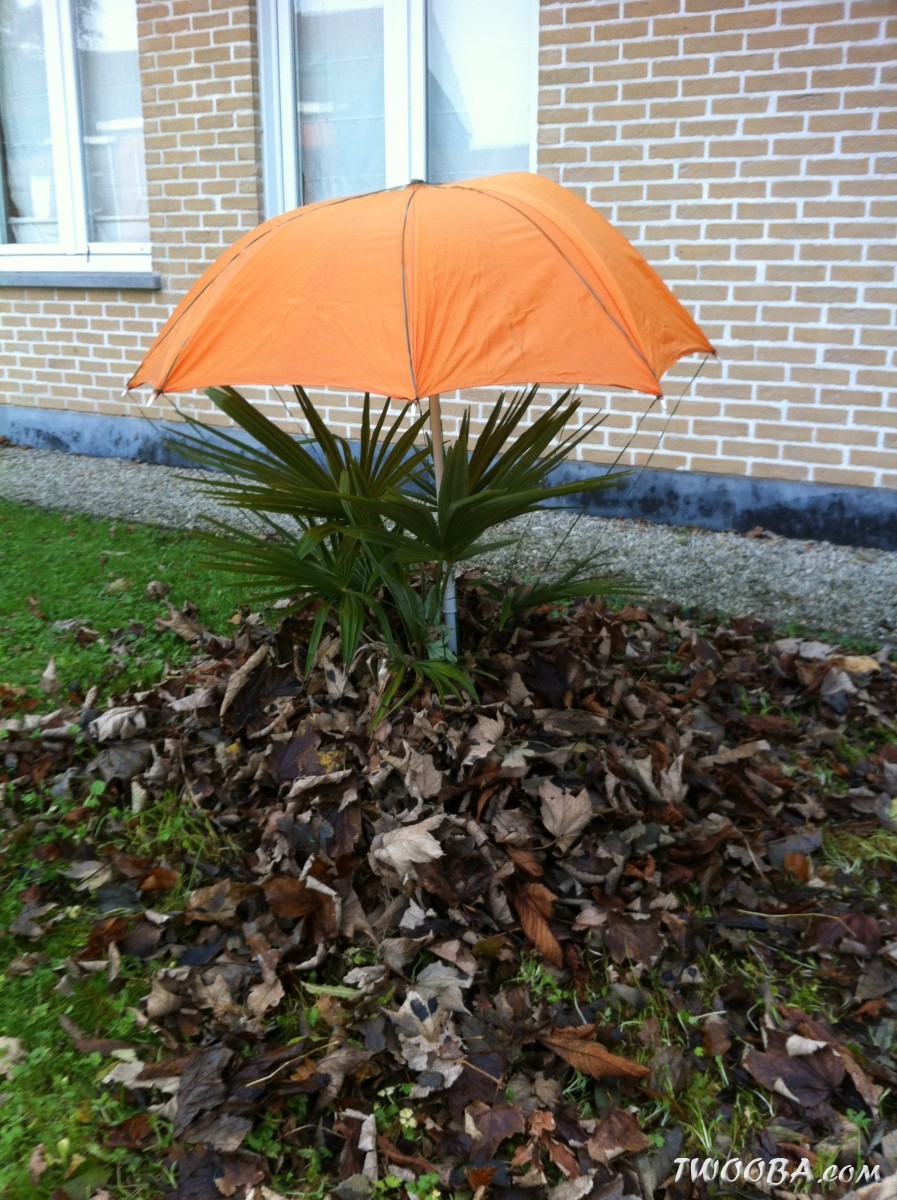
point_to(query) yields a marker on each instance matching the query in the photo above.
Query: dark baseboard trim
(851, 516)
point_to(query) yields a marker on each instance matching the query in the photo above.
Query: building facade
(748, 148)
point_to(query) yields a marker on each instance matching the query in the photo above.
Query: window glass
(340, 96)
(27, 185)
(479, 87)
(111, 120)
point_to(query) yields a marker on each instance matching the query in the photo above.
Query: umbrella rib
(263, 233)
(405, 296)
(610, 316)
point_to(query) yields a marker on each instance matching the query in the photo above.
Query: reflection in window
(111, 120)
(341, 97)
(479, 88)
(72, 163)
(27, 184)
(384, 91)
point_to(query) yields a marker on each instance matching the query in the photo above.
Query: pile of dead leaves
(478, 943)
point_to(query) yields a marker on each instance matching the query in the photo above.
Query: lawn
(634, 905)
(74, 589)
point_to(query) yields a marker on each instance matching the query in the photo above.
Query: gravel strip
(819, 587)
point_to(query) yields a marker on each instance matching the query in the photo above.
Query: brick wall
(749, 149)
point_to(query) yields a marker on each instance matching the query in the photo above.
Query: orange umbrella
(508, 279)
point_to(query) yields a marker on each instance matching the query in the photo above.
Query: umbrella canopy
(503, 280)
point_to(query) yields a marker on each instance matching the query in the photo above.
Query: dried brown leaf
(401, 848)
(807, 1079)
(715, 1035)
(270, 992)
(483, 737)
(202, 1086)
(616, 1133)
(633, 936)
(49, 681)
(564, 814)
(238, 680)
(161, 1001)
(445, 983)
(218, 902)
(291, 898)
(490, 1125)
(578, 1047)
(534, 903)
(12, 1053)
(119, 723)
(525, 861)
(182, 623)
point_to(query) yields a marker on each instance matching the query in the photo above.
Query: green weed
(866, 862)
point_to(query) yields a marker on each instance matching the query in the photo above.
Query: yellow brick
(768, 470)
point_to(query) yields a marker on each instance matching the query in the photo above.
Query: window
(72, 171)
(366, 94)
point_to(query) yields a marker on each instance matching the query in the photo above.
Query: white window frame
(73, 252)
(405, 84)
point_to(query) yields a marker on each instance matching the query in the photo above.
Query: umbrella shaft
(450, 605)
(435, 411)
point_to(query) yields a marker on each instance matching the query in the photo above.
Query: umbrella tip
(154, 395)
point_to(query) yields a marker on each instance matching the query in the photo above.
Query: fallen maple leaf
(401, 848)
(483, 737)
(422, 778)
(578, 1047)
(445, 983)
(564, 814)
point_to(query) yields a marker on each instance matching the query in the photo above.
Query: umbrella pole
(450, 603)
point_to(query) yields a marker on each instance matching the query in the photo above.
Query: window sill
(147, 281)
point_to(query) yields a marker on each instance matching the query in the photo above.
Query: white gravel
(816, 587)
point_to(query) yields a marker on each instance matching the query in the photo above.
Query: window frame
(73, 255)
(405, 76)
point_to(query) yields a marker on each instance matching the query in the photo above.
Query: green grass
(59, 568)
(55, 567)
(52, 1097)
